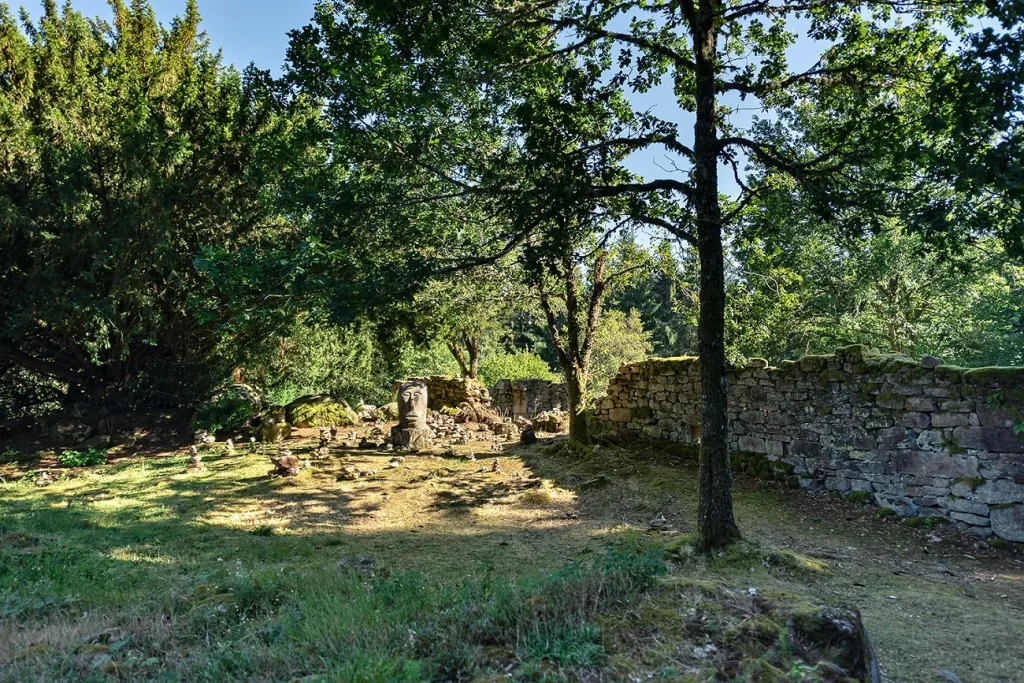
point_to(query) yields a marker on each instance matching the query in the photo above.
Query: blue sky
(245, 30)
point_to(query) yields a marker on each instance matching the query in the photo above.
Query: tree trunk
(575, 388)
(473, 347)
(460, 358)
(716, 525)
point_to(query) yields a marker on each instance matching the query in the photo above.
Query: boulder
(554, 422)
(1008, 522)
(272, 431)
(476, 412)
(320, 411)
(387, 413)
(836, 635)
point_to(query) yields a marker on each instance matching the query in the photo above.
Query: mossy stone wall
(529, 397)
(444, 391)
(918, 437)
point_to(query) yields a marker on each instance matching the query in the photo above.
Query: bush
(93, 456)
(517, 365)
(227, 410)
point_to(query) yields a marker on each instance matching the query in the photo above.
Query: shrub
(71, 458)
(517, 365)
(227, 410)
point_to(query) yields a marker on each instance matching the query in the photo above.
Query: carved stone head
(412, 405)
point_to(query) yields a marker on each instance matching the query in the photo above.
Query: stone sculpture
(412, 432)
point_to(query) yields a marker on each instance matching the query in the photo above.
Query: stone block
(950, 420)
(805, 448)
(895, 437)
(957, 406)
(955, 504)
(994, 417)
(921, 404)
(966, 518)
(752, 444)
(999, 492)
(969, 437)
(928, 464)
(1008, 523)
(619, 415)
(917, 420)
(1002, 440)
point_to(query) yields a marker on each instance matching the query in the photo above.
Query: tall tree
(124, 148)
(551, 83)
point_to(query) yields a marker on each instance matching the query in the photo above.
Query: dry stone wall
(529, 397)
(920, 438)
(449, 392)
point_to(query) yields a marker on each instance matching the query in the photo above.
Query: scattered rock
(552, 421)
(349, 473)
(659, 523)
(363, 565)
(286, 464)
(528, 436)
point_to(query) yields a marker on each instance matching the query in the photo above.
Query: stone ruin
(529, 397)
(451, 392)
(918, 437)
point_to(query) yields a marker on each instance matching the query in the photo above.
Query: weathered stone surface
(949, 420)
(320, 411)
(411, 439)
(963, 505)
(999, 492)
(1008, 523)
(967, 518)
(530, 397)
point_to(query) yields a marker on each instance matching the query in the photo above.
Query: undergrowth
(405, 627)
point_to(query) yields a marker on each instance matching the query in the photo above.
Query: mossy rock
(389, 412)
(320, 411)
(1011, 377)
(856, 353)
(814, 363)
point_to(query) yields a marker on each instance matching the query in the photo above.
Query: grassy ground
(540, 568)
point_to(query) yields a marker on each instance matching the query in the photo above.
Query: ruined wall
(918, 437)
(448, 392)
(529, 397)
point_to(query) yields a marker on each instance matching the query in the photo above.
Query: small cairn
(229, 447)
(285, 464)
(195, 463)
(252, 444)
(323, 447)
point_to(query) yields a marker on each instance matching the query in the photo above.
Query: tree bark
(716, 525)
(472, 342)
(575, 389)
(460, 358)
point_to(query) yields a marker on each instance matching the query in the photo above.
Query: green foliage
(619, 339)
(514, 365)
(227, 410)
(87, 458)
(125, 148)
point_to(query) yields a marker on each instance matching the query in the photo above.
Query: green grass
(143, 570)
